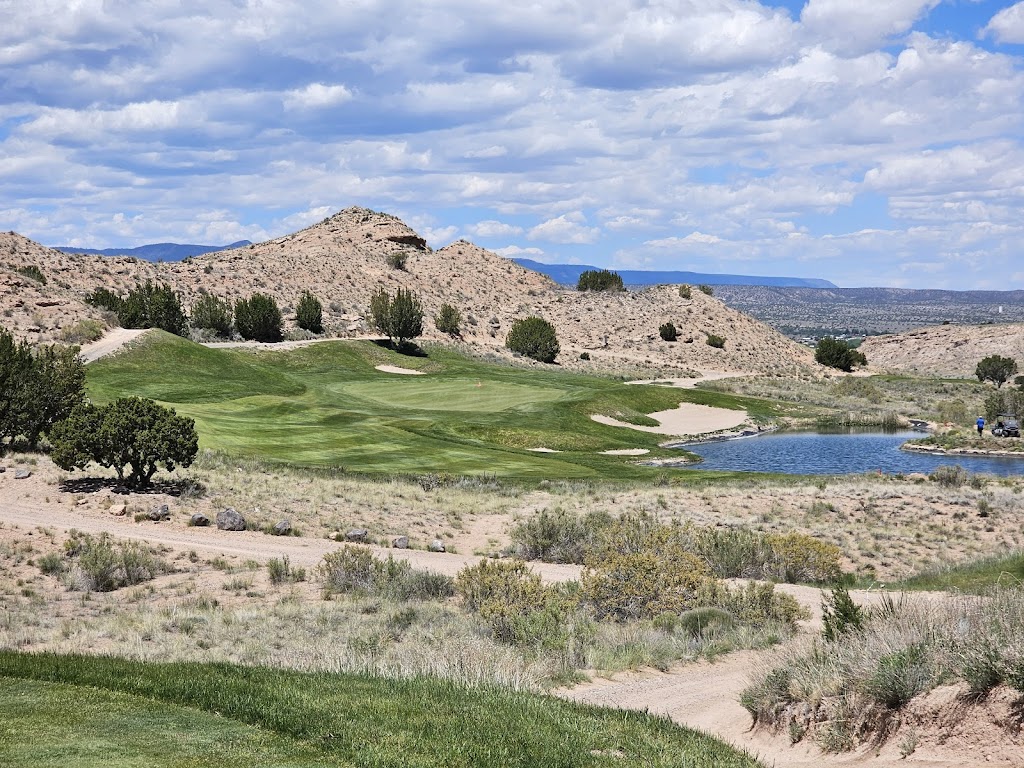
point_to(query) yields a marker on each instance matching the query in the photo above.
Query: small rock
(2, 470)
(357, 535)
(82, 502)
(22, 474)
(160, 512)
(119, 510)
(336, 536)
(436, 546)
(199, 520)
(400, 542)
(230, 520)
(282, 528)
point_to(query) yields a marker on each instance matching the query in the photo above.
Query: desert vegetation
(599, 280)
(535, 338)
(400, 318)
(258, 318)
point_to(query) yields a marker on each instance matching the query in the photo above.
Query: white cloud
(492, 228)
(567, 228)
(694, 238)
(511, 251)
(851, 26)
(316, 95)
(1007, 26)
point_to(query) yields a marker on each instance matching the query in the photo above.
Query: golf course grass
(327, 405)
(58, 711)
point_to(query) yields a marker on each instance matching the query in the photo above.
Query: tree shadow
(175, 488)
(408, 349)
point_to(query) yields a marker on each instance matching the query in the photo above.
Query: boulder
(199, 520)
(159, 512)
(400, 542)
(230, 520)
(282, 528)
(119, 510)
(357, 535)
(436, 546)
(22, 474)
(2, 470)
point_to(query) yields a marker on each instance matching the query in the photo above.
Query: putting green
(327, 405)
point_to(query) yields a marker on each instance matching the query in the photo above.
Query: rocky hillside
(346, 257)
(945, 350)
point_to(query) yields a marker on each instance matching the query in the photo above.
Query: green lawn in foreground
(91, 711)
(327, 405)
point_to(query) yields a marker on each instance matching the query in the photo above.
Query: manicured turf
(327, 405)
(90, 711)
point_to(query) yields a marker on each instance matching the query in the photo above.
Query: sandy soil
(687, 420)
(111, 342)
(690, 383)
(396, 369)
(627, 452)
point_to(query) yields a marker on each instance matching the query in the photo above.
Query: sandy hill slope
(945, 350)
(345, 258)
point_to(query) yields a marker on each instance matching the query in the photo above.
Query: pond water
(814, 453)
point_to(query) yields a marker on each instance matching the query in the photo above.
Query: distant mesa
(155, 251)
(569, 274)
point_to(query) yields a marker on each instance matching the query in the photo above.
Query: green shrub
(833, 353)
(685, 292)
(103, 298)
(353, 570)
(32, 272)
(280, 571)
(400, 319)
(309, 313)
(448, 320)
(259, 319)
(668, 332)
(559, 536)
(840, 615)
(950, 476)
(768, 694)
(584, 355)
(535, 338)
(51, 564)
(699, 622)
(398, 259)
(99, 564)
(599, 280)
(900, 676)
(996, 368)
(82, 332)
(706, 289)
(213, 314)
(714, 340)
(153, 306)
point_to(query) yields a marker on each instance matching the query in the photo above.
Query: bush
(685, 292)
(259, 319)
(559, 536)
(99, 564)
(840, 615)
(400, 319)
(584, 355)
(213, 314)
(668, 332)
(950, 476)
(713, 340)
(353, 570)
(448, 320)
(996, 368)
(535, 338)
(309, 314)
(280, 571)
(833, 353)
(130, 432)
(153, 306)
(82, 332)
(104, 298)
(599, 280)
(32, 272)
(706, 289)
(398, 259)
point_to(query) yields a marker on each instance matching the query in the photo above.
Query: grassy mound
(94, 709)
(327, 405)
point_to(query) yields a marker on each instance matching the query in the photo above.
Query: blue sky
(865, 143)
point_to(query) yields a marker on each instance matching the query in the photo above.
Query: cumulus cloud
(694, 238)
(1007, 26)
(316, 95)
(491, 228)
(567, 228)
(848, 25)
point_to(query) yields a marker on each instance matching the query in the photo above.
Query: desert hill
(945, 350)
(345, 258)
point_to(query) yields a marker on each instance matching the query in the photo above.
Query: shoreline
(938, 450)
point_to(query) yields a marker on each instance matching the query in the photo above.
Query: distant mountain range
(569, 274)
(155, 251)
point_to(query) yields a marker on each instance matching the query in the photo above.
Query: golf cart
(1006, 426)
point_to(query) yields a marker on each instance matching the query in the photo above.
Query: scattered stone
(22, 474)
(119, 510)
(199, 520)
(160, 512)
(436, 546)
(2, 470)
(82, 502)
(230, 520)
(336, 536)
(400, 542)
(282, 528)
(357, 535)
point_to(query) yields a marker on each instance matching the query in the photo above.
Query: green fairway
(98, 711)
(327, 405)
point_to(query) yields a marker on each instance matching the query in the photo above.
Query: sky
(870, 143)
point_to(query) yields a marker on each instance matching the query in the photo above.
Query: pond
(816, 453)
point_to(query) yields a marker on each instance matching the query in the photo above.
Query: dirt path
(111, 342)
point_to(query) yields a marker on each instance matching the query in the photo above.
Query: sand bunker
(543, 450)
(626, 452)
(396, 369)
(686, 420)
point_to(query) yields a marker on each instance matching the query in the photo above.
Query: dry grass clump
(852, 688)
